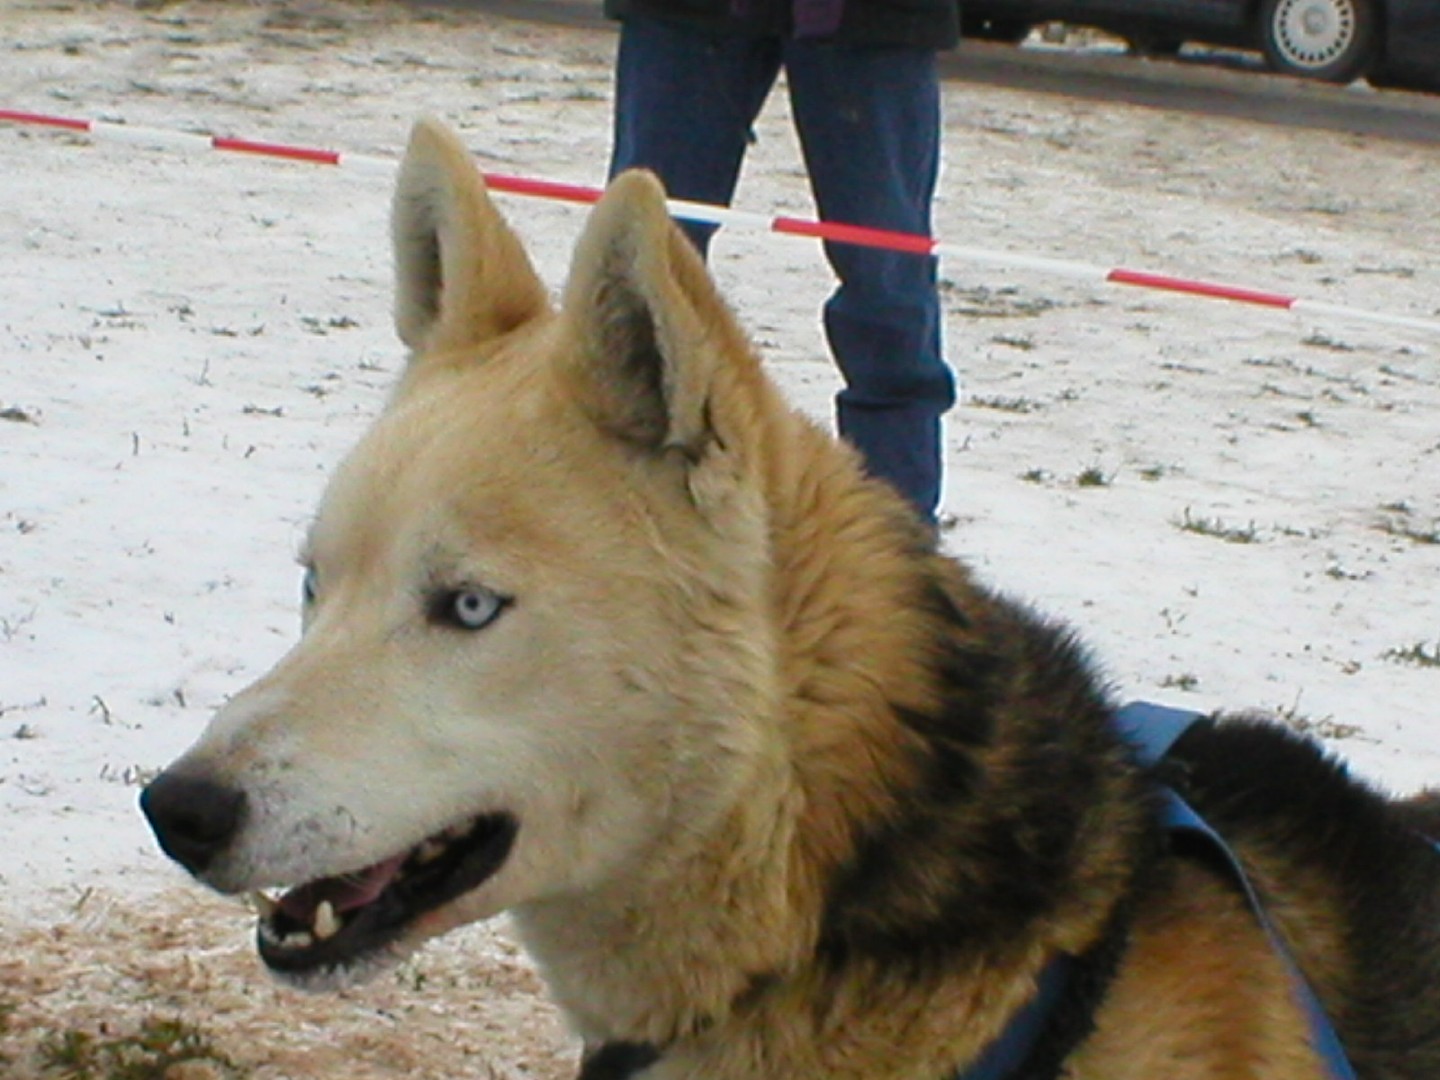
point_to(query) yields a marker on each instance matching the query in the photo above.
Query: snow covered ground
(1237, 506)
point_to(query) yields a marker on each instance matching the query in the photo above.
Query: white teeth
(327, 923)
(429, 851)
(298, 939)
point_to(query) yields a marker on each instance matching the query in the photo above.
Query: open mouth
(332, 922)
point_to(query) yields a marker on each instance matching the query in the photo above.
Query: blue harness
(1152, 730)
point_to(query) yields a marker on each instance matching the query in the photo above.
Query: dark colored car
(1390, 42)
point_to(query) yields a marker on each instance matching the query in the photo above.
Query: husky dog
(599, 632)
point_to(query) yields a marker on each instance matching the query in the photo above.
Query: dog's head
(534, 599)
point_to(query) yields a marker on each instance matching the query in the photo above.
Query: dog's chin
(337, 931)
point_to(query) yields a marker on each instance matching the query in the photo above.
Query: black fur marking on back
(1014, 759)
(1274, 793)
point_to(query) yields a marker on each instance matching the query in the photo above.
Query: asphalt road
(1225, 85)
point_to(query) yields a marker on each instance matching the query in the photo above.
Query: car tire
(1331, 40)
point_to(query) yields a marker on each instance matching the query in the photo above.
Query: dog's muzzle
(331, 924)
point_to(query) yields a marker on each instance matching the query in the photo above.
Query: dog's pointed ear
(647, 318)
(462, 277)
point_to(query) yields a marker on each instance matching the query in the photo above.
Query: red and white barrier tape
(718, 215)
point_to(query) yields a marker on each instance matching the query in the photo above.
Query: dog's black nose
(194, 819)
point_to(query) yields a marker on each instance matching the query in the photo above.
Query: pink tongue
(345, 893)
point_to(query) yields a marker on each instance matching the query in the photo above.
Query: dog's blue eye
(469, 609)
(310, 586)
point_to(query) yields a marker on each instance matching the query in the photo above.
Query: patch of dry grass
(170, 989)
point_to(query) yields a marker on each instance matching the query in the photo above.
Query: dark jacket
(930, 24)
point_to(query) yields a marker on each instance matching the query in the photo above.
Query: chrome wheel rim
(1312, 34)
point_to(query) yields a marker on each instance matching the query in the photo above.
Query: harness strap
(1012, 1047)
(616, 1060)
(1153, 730)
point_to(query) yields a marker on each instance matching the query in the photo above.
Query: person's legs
(869, 124)
(685, 100)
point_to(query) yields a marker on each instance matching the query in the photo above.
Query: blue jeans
(869, 126)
